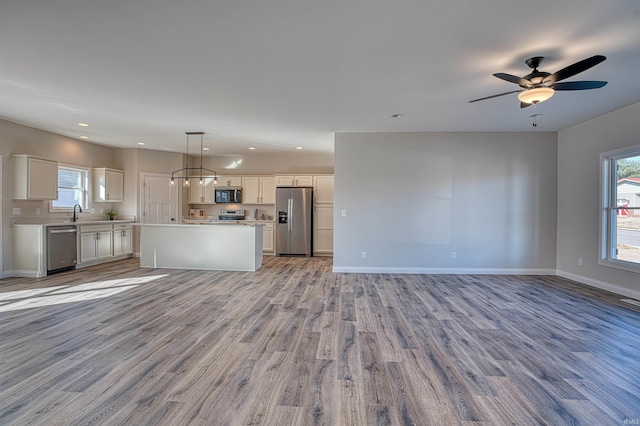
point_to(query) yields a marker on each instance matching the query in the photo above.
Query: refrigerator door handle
(289, 214)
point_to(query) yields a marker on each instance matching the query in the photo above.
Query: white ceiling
(279, 74)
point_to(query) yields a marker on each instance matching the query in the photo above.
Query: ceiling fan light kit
(535, 95)
(539, 86)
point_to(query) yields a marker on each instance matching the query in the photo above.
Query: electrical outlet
(16, 211)
(580, 261)
(344, 213)
(364, 254)
(454, 255)
(37, 210)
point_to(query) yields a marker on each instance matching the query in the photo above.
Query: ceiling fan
(538, 86)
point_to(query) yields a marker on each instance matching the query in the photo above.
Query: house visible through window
(73, 183)
(621, 213)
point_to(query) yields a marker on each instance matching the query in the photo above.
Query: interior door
(160, 204)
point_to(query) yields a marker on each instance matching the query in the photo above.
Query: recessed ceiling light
(141, 143)
(252, 147)
(205, 149)
(84, 137)
(298, 147)
(83, 125)
(396, 116)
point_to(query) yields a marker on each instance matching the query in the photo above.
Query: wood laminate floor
(295, 344)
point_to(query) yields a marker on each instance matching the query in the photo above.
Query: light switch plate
(16, 211)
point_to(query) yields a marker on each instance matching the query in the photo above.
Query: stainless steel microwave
(229, 194)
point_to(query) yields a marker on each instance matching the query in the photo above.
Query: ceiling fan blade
(513, 79)
(524, 105)
(579, 85)
(495, 96)
(574, 69)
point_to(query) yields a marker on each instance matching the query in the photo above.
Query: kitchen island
(215, 246)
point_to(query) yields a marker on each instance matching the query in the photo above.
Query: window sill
(621, 264)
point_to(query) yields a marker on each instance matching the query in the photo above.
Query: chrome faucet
(75, 217)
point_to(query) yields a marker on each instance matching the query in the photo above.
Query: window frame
(609, 208)
(86, 172)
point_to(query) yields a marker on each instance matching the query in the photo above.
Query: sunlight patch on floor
(49, 296)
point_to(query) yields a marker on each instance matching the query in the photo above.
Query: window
(620, 225)
(73, 184)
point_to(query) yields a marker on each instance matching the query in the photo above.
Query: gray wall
(411, 199)
(281, 163)
(18, 139)
(579, 151)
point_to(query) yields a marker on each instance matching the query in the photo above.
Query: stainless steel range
(231, 215)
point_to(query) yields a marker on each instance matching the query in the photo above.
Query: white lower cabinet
(323, 230)
(268, 245)
(29, 248)
(122, 239)
(96, 242)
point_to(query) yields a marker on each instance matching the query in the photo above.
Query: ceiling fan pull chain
(535, 115)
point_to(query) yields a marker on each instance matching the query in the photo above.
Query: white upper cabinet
(229, 181)
(258, 190)
(294, 180)
(267, 190)
(108, 185)
(202, 194)
(323, 189)
(251, 190)
(34, 178)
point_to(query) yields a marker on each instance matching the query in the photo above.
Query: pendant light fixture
(188, 174)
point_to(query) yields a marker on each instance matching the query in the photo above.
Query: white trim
(608, 188)
(600, 284)
(87, 190)
(442, 271)
(470, 271)
(142, 200)
(26, 274)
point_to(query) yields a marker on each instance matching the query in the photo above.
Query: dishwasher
(62, 248)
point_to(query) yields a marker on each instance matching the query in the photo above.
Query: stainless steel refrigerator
(294, 229)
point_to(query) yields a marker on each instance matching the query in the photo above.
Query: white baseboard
(443, 271)
(600, 284)
(24, 274)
